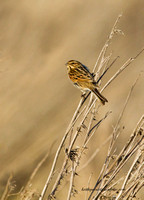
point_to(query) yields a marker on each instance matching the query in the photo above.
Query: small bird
(80, 75)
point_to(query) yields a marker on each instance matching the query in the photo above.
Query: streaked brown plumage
(83, 79)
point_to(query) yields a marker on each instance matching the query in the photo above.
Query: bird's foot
(83, 94)
(93, 74)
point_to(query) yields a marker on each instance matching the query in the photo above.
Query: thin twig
(7, 189)
(105, 166)
(38, 167)
(88, 186)
(71, 187)
(103, 51)
(124, 66)
(95, 153)
(128, 175)
(107, 69)
(122, 163)
(73, 121)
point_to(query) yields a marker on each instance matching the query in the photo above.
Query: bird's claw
(83, 94)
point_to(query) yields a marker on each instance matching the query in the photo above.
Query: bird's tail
(100, 96)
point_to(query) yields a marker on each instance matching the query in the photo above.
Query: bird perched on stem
(83, 79)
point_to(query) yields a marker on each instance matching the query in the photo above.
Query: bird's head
(72, 64)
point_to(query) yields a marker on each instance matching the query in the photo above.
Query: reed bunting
(83, 79)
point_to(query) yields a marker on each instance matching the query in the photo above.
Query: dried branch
(7, 188)
(107, 161)
(125, 156)
(104, 49)
(73, 155)
(76, 115)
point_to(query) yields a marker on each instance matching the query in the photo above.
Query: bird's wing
(84, 73)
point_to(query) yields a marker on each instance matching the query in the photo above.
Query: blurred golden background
(37, 100)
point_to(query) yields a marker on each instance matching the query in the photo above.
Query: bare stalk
(7, 188)
(73, 121)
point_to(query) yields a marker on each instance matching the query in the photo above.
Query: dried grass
(85, 123)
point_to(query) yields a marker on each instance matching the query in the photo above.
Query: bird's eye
(72, 63)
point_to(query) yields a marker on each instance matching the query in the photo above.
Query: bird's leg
(83, 94)
(93, 74)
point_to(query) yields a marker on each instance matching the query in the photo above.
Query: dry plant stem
(128, 62)
(122, 163)
(71, 181)
(105, 71)
(99, 79)
(115, 183)
(90, 122)
(127, 176)
(99, 181)
(77, 132)
(60, 177)
(37, 168)
(90, 102)
(77, 162)
(138, 189)
(102, 175)
(34, 173)
(88, 186)
(128, 155)
(115, 134)
(73, 121)
(102, 54)
(78, 108)
(61, 174)
(97, 124)
(6, 191)
(91, 117)
(95, 153)
(104, 64)
(89, 125)
(73, 168)
(138, 174)
(126, 102)
(76, 165)
(129, 143)
(116, 172)
(105, 166)
(16, 194)
(69, 149)
(71, 131)
(90, 133)
(128, 192)
(112, 189)
(94, 127)
(104, 49)
(124, 66)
